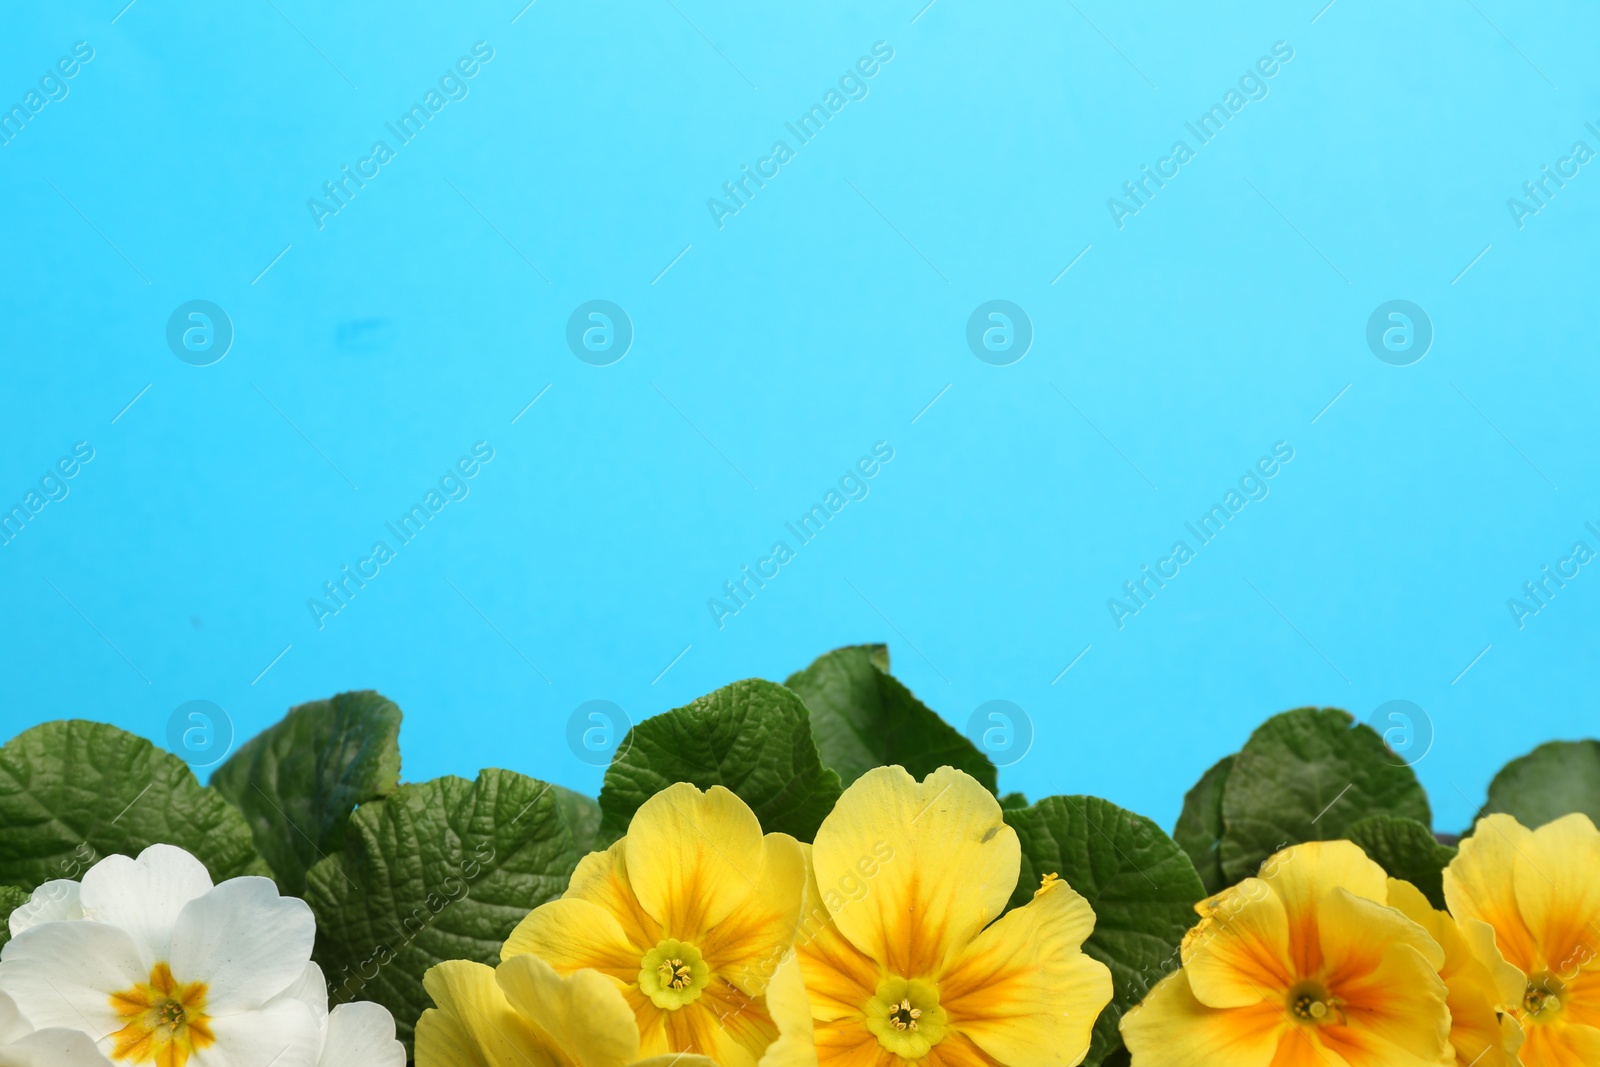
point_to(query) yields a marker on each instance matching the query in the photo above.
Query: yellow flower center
(1312, 1005)
(1542, 1001)
(673, 974)
(906, 1017)
(165, 1020)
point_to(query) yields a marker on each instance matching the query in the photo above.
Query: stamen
(904, 1016)
(674, 973)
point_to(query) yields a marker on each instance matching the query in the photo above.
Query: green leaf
(862, 717)
(1406, 849)
(1553, 780)
(297, 782)
(1199, 829)
(1140, 883)
(1013, 802)
(440, 870)
(72, 792)
(753, 737)
(1306, 775)
(581, 814)
(12, 897)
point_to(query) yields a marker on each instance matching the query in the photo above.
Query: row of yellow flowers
(697, 939)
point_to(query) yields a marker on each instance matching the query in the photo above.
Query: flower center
(906, 1017)
(673, 974)
(164, 1020)
(1312, 1005)
(1542, 1001)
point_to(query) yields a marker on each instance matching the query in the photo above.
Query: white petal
(310, 990)
(145, 896)
(63, 974)
(12, 1025)
(245, 942)
(283, 1034)
(50, 902)
(53, 1048)
(361, 1035)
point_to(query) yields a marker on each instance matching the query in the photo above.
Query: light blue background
(822, 318)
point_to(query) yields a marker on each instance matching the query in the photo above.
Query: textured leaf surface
(11, 898)
(1306, 775)
(753, 737)
(863, 717)
(581, 814)
(440, 870)
(1407, 850)
(72, 792)
(1553, 780)
(1142, 887)
(297, 782)
(1199, 828)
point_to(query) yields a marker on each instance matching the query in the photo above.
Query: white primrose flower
(360, 1034)
(22, 1046)
(159, 966)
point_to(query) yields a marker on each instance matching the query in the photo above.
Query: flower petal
(53, 1048)
(1557, 882)
(839, 978)
(584, 1013)
(247, 943)
(311, 990)
(284, 1034)
(732, 1031)
(602, 878)
(572, 934)
(747, 946)
(1173, 1029)
(942, 865)
(63, 974)
(144, 896)
(1561, 1046)
(693, 857)
(791, 1013)
(52, 902)
(12, 1025)
(851, 1044)
(1241, 955)
(361, 1035)
(1479, 884)
(1384, 968)
(1302, 875)
(473, 1025)
(1023, 990)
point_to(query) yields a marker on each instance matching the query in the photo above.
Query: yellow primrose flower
(904, 951)
(526, 1015)
(1478, 979)
(688, 917)
(1540, 892)
(1302, 966)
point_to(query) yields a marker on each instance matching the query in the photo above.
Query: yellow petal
(693, 857)
(571, 934)
(850, 1044)
(1384, 968)
(602, 878)
(1479, 884)
(1473, 995)
(747, 946)
(583, 1013)
(473, 1025)
(791, 1013)
(722, 1024)
(1561, 1046)
(1557, 880)
(1240, 956)
(1023, 990)
(943, 864)
(1173, 1029)
(1304, 874)
(675, 1059)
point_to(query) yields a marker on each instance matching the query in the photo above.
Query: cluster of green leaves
(403, 876)
(1312, 774)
